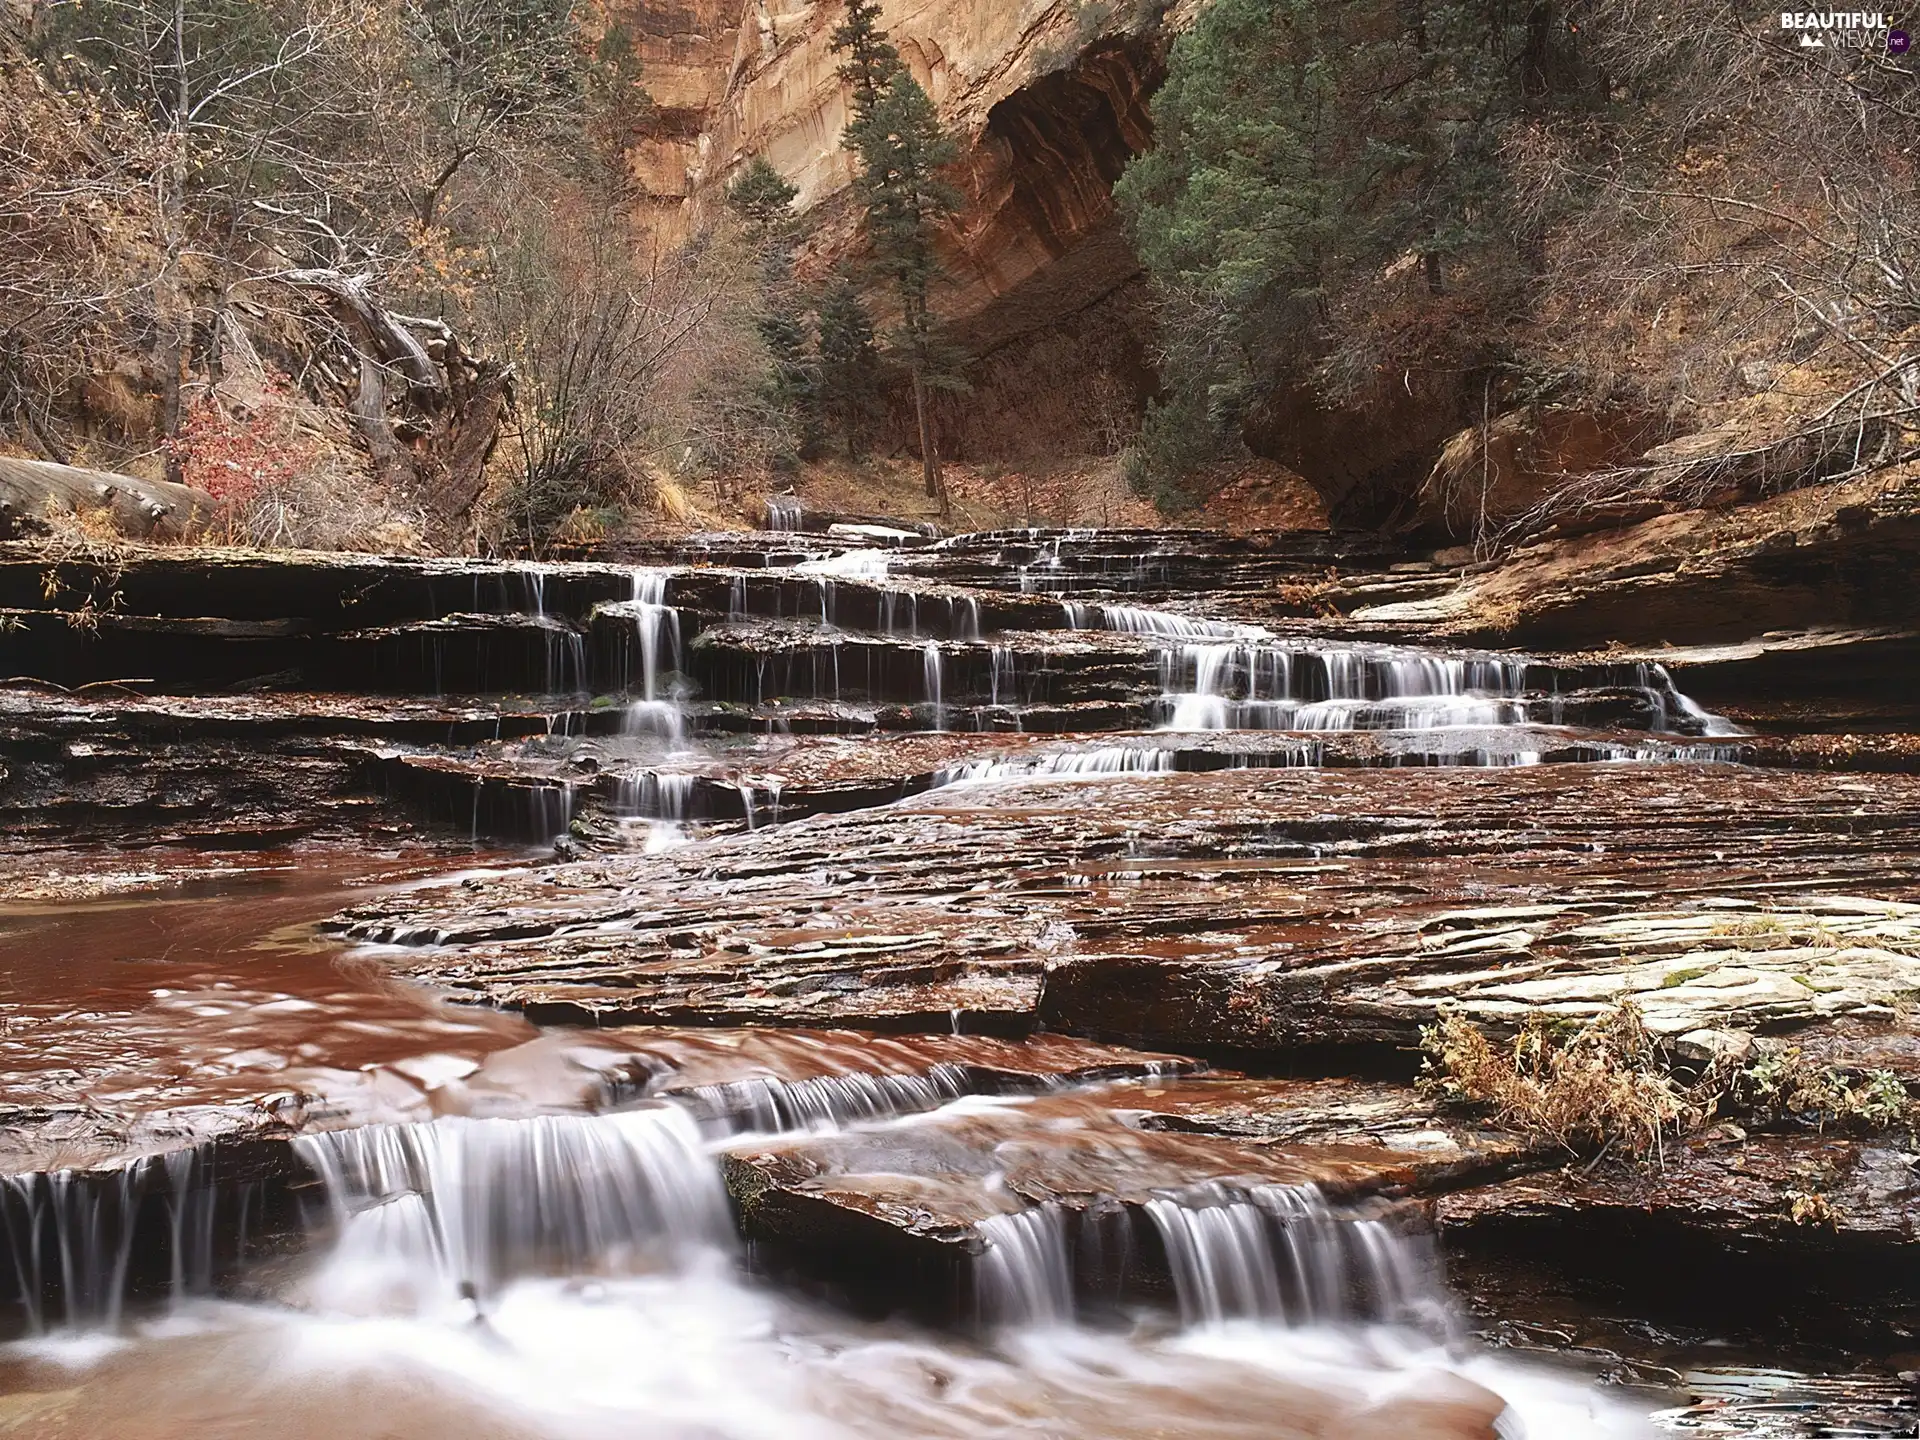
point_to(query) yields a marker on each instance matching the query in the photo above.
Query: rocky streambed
(884, 984)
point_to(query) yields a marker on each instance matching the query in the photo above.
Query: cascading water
(1002, 680)
(457, 1204)
(657, 625)
(852, 564)
(1669, 699)
(1281, 1253)
(1264, 686)
(565, 650)
(662, 799)
(751, 789)
(1024, 1276)
(783, 513)
(1107, 760)
(1134, 620)
(655, 795)
(71, 1236)
(1238, 677)
(934, 667)
(823, 1102)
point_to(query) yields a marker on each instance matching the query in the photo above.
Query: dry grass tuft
(1608, 1083)
(1584, 1088)
(82, 542)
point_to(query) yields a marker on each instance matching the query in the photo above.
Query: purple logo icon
(1897, 42)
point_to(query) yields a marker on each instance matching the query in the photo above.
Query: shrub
(1585, 1087)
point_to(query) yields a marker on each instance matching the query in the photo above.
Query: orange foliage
(237, 458)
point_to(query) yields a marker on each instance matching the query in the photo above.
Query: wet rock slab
(1718, 1231)
(904, 1211)
(1252, 910)
(783, 1078)
(770, 779)
(234, 769)
(85, 1139)
(1443, 1148)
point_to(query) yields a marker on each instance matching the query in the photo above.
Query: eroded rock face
(1049, 100)
(1833, 555)
(1718, 1226)
(1267, 910)
(944, 1197)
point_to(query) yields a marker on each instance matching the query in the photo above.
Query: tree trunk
(391, 464)
(473, 425)
(173, 329)
(929, 448)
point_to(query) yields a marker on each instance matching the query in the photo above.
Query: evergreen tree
(849, 376)
(1301, 149)
(763, 201)
(871, 61)
(900, 149)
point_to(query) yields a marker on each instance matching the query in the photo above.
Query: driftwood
(1713, 469)
(33, 493)
(458, 402)
(385, 338)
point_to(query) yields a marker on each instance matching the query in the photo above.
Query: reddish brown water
(131, 985)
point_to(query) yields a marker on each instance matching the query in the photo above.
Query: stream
(838, 986)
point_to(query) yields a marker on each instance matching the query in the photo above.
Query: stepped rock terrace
(852, 958)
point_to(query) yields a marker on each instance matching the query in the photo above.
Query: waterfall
(1107, 760)
(665, 800)
(750, 789)
(783, 513)
(654, 795)
(70, 1236)
(66, 1233)
(1266, 686)
(1281, 1253)
(933, 663)
(1667, 698)
(1002, 676)
(825, 1102)
(657, 626)
(848, 564)
(456, 1203)
(1024, 1276)
(1274, 1253)
(1135, 620)
(890, 625)
(1238, 677)
(564, 650)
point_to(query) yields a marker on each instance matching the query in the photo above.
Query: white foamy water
(459, 1204)
(696, 1354)
(574, 1277)
(848, 564)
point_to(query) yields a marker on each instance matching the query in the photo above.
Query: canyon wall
(1048, 99)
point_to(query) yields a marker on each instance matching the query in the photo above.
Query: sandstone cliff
(1049, 100)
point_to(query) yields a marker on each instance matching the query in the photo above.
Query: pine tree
(1300, 151)
(900, 148)
(849, 377)
(871, 61)
(763, 201)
